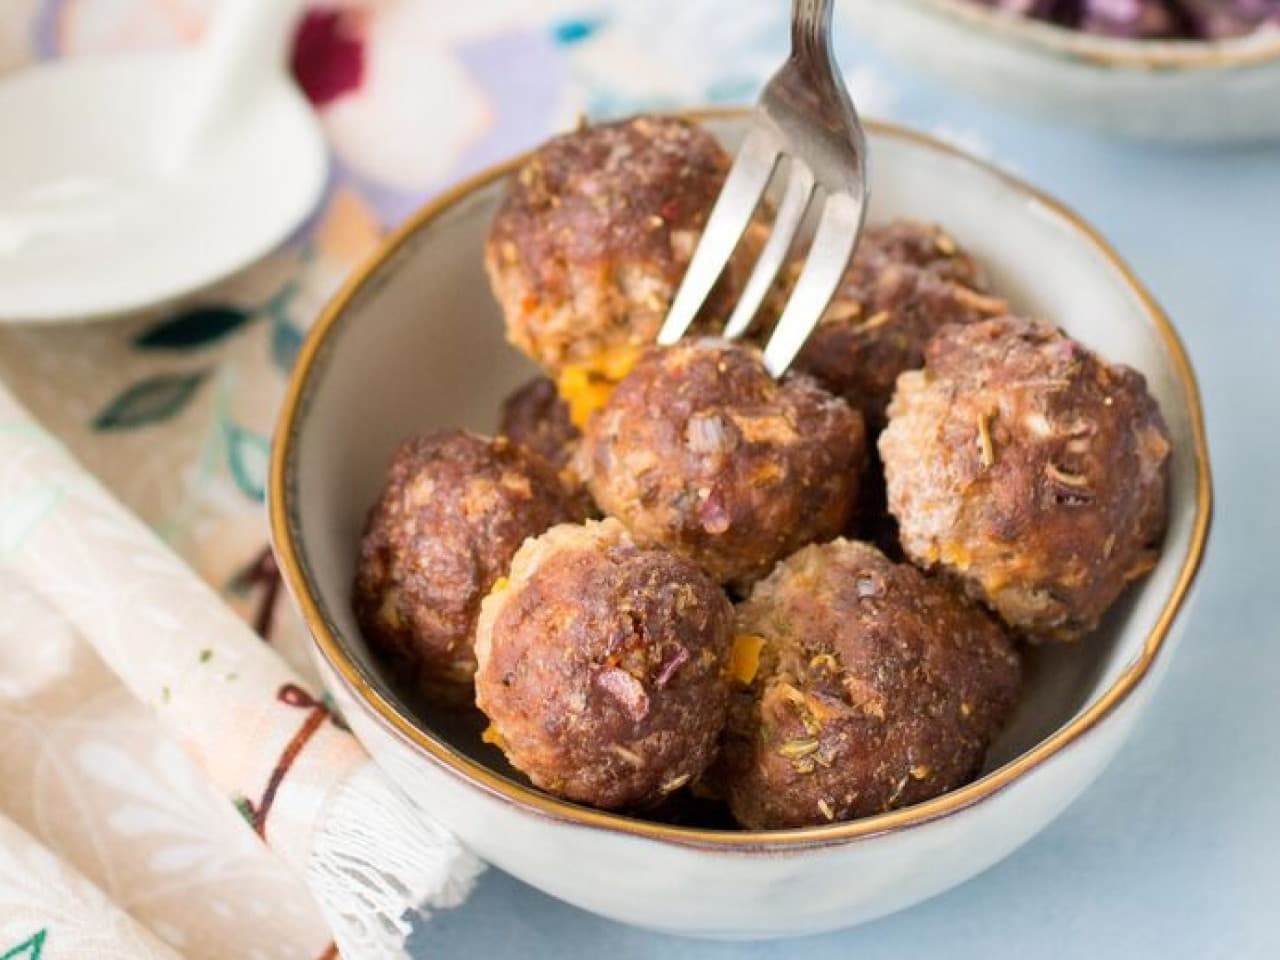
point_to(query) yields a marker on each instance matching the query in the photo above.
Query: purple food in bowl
(1151, 19)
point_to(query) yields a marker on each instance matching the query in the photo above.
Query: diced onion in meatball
(1031, 470)
(862, 686)
(603, 666)
(701, 450)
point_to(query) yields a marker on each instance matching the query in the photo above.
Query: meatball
(700, 450)
(596, 232)
(603, 666)
(905, 282)
(454, 510)
(862, 685)
(1030, 469)
(535, 417)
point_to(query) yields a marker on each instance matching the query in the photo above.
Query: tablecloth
(1167, 856)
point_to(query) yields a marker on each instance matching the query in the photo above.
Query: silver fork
(806, 117)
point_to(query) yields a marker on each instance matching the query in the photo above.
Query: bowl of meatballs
(712, 652)
(1192, 71)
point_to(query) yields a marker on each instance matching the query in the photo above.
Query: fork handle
(811, 30)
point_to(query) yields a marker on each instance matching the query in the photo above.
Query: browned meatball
(906, 281)
(862, 686)
(699, 449)
(597, 229)
(603, 666)
(536, 417)
(454, 510)
(1029, 468)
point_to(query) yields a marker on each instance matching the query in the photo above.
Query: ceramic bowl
(1188, 90)
(415, 342)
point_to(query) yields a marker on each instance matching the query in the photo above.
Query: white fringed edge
(375, 857)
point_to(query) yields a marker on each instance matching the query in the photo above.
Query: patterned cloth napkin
(172, 411)
(298, 778)
(84, 766)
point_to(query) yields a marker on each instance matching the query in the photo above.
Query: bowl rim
(293, 567)
(1255, 49)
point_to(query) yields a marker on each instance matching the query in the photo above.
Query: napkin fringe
(376, 857)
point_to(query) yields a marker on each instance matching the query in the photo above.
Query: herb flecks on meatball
(1029, 468)
(603, 666)
(862, 686)
(596, 232)
(905, 282)
(453, 511)
(700, 450)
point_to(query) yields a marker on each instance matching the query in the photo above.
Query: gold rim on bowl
(293, 566)
(1260, 47)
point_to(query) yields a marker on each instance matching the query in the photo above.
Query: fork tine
(785, 227)
(832, 247)
(739, 197)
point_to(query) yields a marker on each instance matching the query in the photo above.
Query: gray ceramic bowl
(415, 342)
(1187, 90)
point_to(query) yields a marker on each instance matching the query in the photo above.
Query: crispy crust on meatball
(1029, 468)
(603, 666)
(906, 281)
(596, 232)
(700, 450)
(868, 687)
(535, 417)
(454, 510)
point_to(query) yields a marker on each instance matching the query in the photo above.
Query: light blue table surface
(1175, 852)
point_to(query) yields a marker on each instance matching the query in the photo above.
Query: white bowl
(1186, 90)
(414, 342)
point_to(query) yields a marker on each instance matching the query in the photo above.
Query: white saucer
(91, 223)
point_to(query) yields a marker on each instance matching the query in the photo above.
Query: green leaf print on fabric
(191, 329)
(248, 455)
(335, 715)
(286, 338)
(149, 401)
(244, 807)
(29, 949)
(286, 341)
